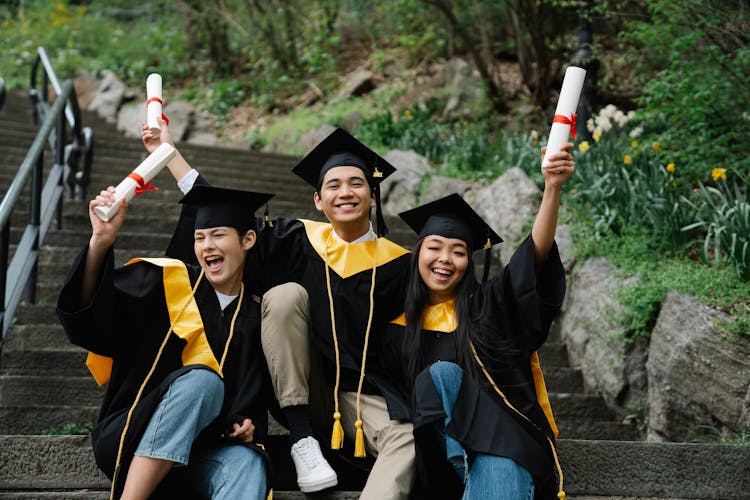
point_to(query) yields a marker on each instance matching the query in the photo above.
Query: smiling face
(442, 266)
(346, 199)
(221, 254)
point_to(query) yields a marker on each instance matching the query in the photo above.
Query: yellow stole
(348, 259)
(189, 327)
(442, 318)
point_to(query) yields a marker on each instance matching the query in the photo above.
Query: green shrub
(70, 430)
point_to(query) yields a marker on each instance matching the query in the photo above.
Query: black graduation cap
(224, 207)
(452, 217)
(339, 149)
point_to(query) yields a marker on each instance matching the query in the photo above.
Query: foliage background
(662, 178)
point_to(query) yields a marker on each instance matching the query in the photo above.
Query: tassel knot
(359, 440)
(337, 436)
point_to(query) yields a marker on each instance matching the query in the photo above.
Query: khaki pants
(295, 374)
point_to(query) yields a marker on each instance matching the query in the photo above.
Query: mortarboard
(224, 207)
(452, 217)
(341, 148)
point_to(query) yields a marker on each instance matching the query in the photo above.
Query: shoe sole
(322, 484)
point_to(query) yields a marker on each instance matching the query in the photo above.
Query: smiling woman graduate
(465, 352)
(179, 348)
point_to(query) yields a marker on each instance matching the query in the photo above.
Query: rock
(610, 366)
(441, 186)
(129, 119)
(109, 97)
(697, 375)
(465, 88)
(400, 191)
(358, 82)
(507, 205)
(311, 139)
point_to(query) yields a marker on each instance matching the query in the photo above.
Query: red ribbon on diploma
(565, 120)
(164, 117)
(142, 186)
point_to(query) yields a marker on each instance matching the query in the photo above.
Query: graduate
(327, 287)
(466, 352)
(188, 394)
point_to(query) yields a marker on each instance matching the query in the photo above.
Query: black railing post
(4, 248)
(584, 58)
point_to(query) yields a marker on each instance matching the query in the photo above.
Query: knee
(284, 301)
(446, 372)
(203, 387)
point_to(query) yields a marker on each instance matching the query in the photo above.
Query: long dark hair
(417, 296)
(494, 349)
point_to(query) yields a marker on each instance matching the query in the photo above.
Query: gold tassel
(270, 494)
(337, 436)
(561, 495)
(359, 441)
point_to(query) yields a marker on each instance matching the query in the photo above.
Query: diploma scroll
(138, 180)
(154, 103)
(565, 113)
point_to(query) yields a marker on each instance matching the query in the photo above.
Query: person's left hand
(243, 432)
(560, 166)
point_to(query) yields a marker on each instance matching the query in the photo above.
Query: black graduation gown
(289, 250)
(127, 321)
(515, 309)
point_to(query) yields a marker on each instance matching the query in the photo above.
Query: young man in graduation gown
(179, 346)
(338, 280)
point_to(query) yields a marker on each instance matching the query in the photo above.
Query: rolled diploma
(153, 108)
(566, 106)
(148, 169)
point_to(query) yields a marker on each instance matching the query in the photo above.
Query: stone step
(23, 419)
(592, 469)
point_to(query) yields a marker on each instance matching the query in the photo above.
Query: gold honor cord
(337, 434)
(156, 362)
(560, 491)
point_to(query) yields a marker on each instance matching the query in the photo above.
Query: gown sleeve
(125, 301)
(525, 298)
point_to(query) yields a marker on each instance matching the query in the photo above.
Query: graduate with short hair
(327, 287)
(178, 345)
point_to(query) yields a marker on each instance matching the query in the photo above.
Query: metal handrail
(82, 146)
(2, 92)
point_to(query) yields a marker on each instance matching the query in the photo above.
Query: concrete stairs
(44, 384)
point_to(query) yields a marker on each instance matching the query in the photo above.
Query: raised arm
(103, 236)
(561, 166)
(178, 166)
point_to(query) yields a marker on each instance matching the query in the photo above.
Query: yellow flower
(584, 146)
(597, 134)
(670, 168)
(719, 173)
(407, 112)
(657, 146)
(627, 160)
(634, 144)
(534, 134)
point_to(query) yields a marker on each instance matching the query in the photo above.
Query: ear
(318, 201)
(248, 240)
(372, 200)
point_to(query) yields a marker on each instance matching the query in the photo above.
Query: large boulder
(697, 375)
(110, 95)
(507, 205)
(610, 365)
(400, 191)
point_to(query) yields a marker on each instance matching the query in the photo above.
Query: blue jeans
(191, 403)
(490, 476)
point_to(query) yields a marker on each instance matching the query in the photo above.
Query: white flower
(590, 124)
(636, 132)
(608, 111)
(603, 123)
(620, 118)
(631, 115)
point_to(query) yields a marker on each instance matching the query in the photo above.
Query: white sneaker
(313, 471)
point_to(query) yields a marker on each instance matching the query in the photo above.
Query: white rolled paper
(147, 170)
(566, 107)
(154, 103)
